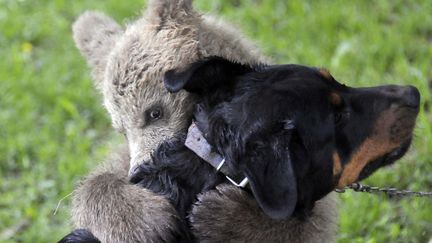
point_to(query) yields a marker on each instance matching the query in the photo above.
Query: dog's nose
(406, 95)
(410, 96)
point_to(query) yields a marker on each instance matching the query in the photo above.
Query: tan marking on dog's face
(377, 145)
(335, 99)
(325, 73)
(337, 165)
(369, 151)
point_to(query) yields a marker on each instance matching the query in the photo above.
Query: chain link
(389, 191)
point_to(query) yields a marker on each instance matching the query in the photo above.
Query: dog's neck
(196, 142)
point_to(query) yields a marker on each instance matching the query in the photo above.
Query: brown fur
(128, 66)
(229, 215)
(170, 35)
(107, 205)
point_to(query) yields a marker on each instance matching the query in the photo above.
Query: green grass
(53, 128)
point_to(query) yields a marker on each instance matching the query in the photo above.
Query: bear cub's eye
(154, 114)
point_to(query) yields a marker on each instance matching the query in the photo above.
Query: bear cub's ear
(95, 34)
(205, 76)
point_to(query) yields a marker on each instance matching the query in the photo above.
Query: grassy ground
(53, 129)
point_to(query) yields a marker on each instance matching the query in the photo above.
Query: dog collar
(196, 142)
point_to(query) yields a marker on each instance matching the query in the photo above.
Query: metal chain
(389, 191)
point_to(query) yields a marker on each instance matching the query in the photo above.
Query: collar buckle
(243, 182)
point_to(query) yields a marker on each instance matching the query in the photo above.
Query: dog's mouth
(385, 160)
(401, 123)
(390, 140)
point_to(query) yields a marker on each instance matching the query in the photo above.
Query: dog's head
(294, 131)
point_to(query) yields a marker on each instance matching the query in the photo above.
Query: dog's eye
(341, 116)
(288, 124)
(154, 114)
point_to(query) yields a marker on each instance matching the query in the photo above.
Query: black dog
(293, 131)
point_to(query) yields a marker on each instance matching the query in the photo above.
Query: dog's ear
(204, 76)
(272, 178)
